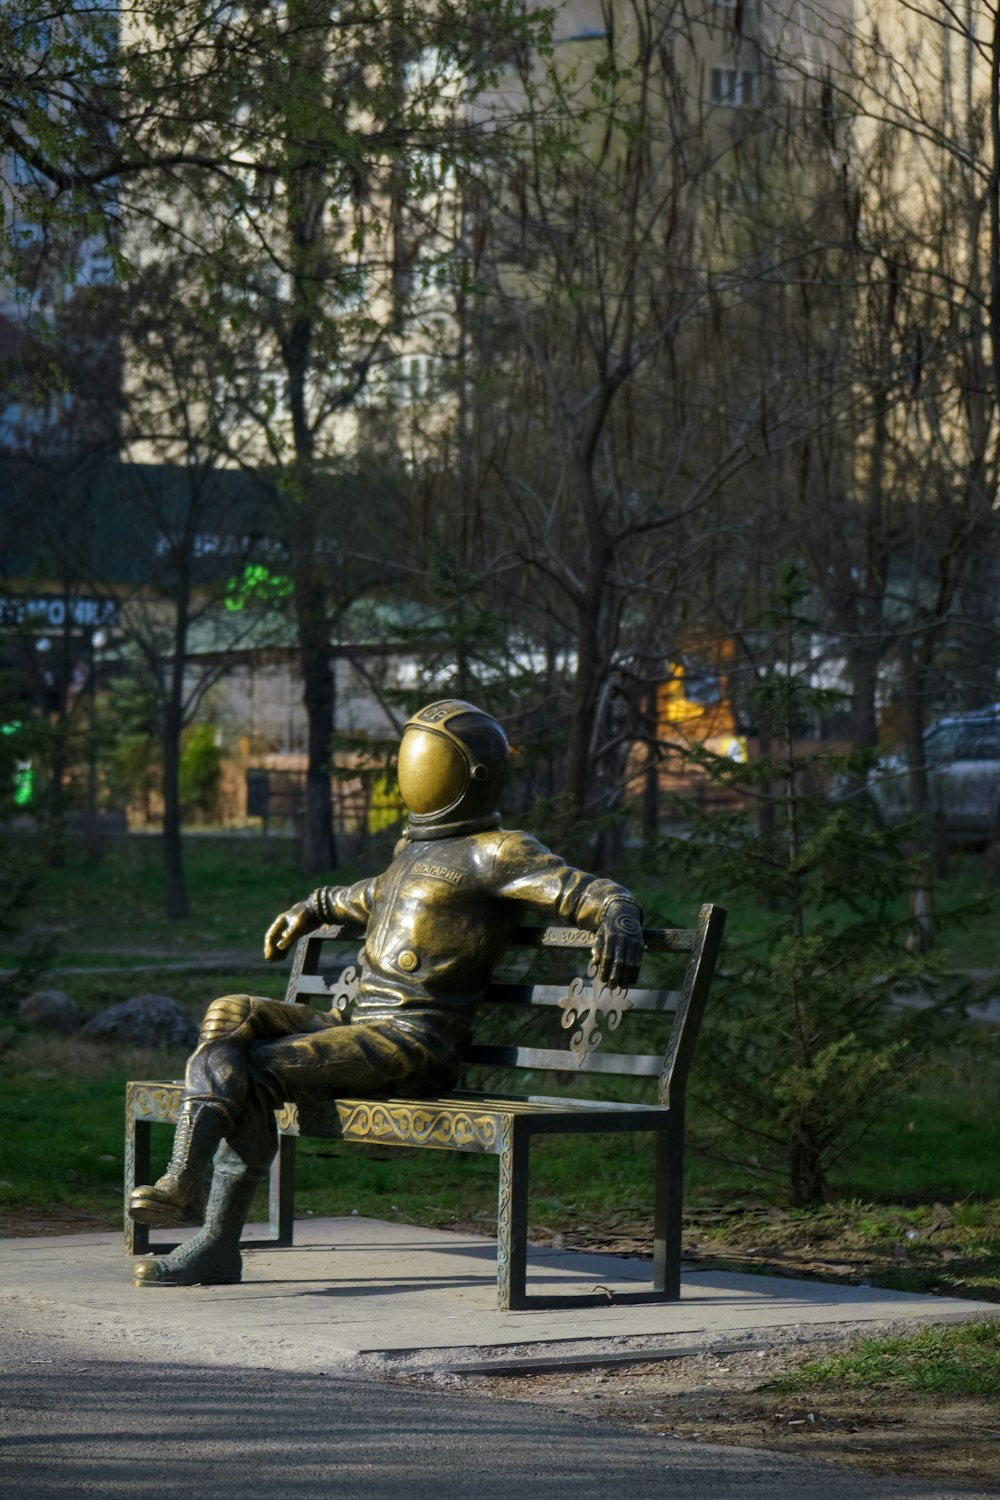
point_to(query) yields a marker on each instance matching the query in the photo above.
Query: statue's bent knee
(224, 1016)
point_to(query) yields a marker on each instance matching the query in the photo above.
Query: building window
(589, 34)
(732, 87)
(729, 15)
(404, 380)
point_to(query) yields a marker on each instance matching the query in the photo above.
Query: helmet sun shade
(434, 770)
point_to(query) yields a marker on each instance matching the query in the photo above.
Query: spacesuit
(437, 921)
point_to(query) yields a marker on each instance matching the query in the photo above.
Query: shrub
(200, 772)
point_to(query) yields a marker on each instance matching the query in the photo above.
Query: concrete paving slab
(356, 1292)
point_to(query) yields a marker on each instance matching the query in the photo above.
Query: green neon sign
(23, 775)
(257, 585)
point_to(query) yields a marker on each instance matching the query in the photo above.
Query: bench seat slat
(468, 1122)
(558, 1102)
(624, 1064)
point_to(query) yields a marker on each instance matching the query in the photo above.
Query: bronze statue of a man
(438, 919)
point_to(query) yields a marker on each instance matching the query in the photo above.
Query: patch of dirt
(24, 1224)
(717, 1398)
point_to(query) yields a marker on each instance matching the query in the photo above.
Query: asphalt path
(82, 1424)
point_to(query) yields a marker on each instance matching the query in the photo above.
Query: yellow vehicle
(693, 713)
(693, 707)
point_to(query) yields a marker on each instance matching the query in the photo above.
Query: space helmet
(453, 763)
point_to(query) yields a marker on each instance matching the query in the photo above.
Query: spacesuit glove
(285, 930)
(618, 950)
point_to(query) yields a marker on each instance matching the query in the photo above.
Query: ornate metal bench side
(503, 1125)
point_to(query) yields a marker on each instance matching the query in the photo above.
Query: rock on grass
(146, 1020)
(51, 1010)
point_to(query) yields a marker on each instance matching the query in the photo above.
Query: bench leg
(281, 1193)
(668, 1211)
(137, 1161)
(512, 1217)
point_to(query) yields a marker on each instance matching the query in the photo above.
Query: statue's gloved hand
(224, 1016)
(617, 952)
(289, 927)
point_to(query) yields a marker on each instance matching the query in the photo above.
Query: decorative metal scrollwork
(419, 1125)
(344, 989)
(504, 1212)
(591, 1009)
(157, 1101)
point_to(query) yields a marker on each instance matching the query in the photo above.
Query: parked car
(962, 754)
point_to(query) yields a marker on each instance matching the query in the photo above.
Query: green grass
(945, 1135)
(960, 1359)
(61, 1132)
(236, 886)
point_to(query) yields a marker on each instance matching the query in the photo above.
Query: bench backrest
(566, 998)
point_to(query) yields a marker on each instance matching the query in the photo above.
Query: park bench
(540, 992)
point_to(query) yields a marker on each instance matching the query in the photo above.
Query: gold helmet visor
(433, 770)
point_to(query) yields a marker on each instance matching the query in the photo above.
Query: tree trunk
(913, 731)
(579, 770)
(590, 613)
(767, 819)
(862, 666)
(993, 193)
(318, 852)
(55, 810)
(178, 904)
(922, 912)
(306, 187)
(651, 789)
(807, 1180)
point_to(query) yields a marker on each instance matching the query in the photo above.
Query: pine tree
(805, 1045)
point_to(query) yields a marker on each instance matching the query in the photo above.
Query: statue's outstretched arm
(329, 903)
(530, 873)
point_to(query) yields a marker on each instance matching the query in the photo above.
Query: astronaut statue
(438, 920)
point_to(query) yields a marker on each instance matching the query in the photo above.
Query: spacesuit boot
(212, 1257)
(177, 1194)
